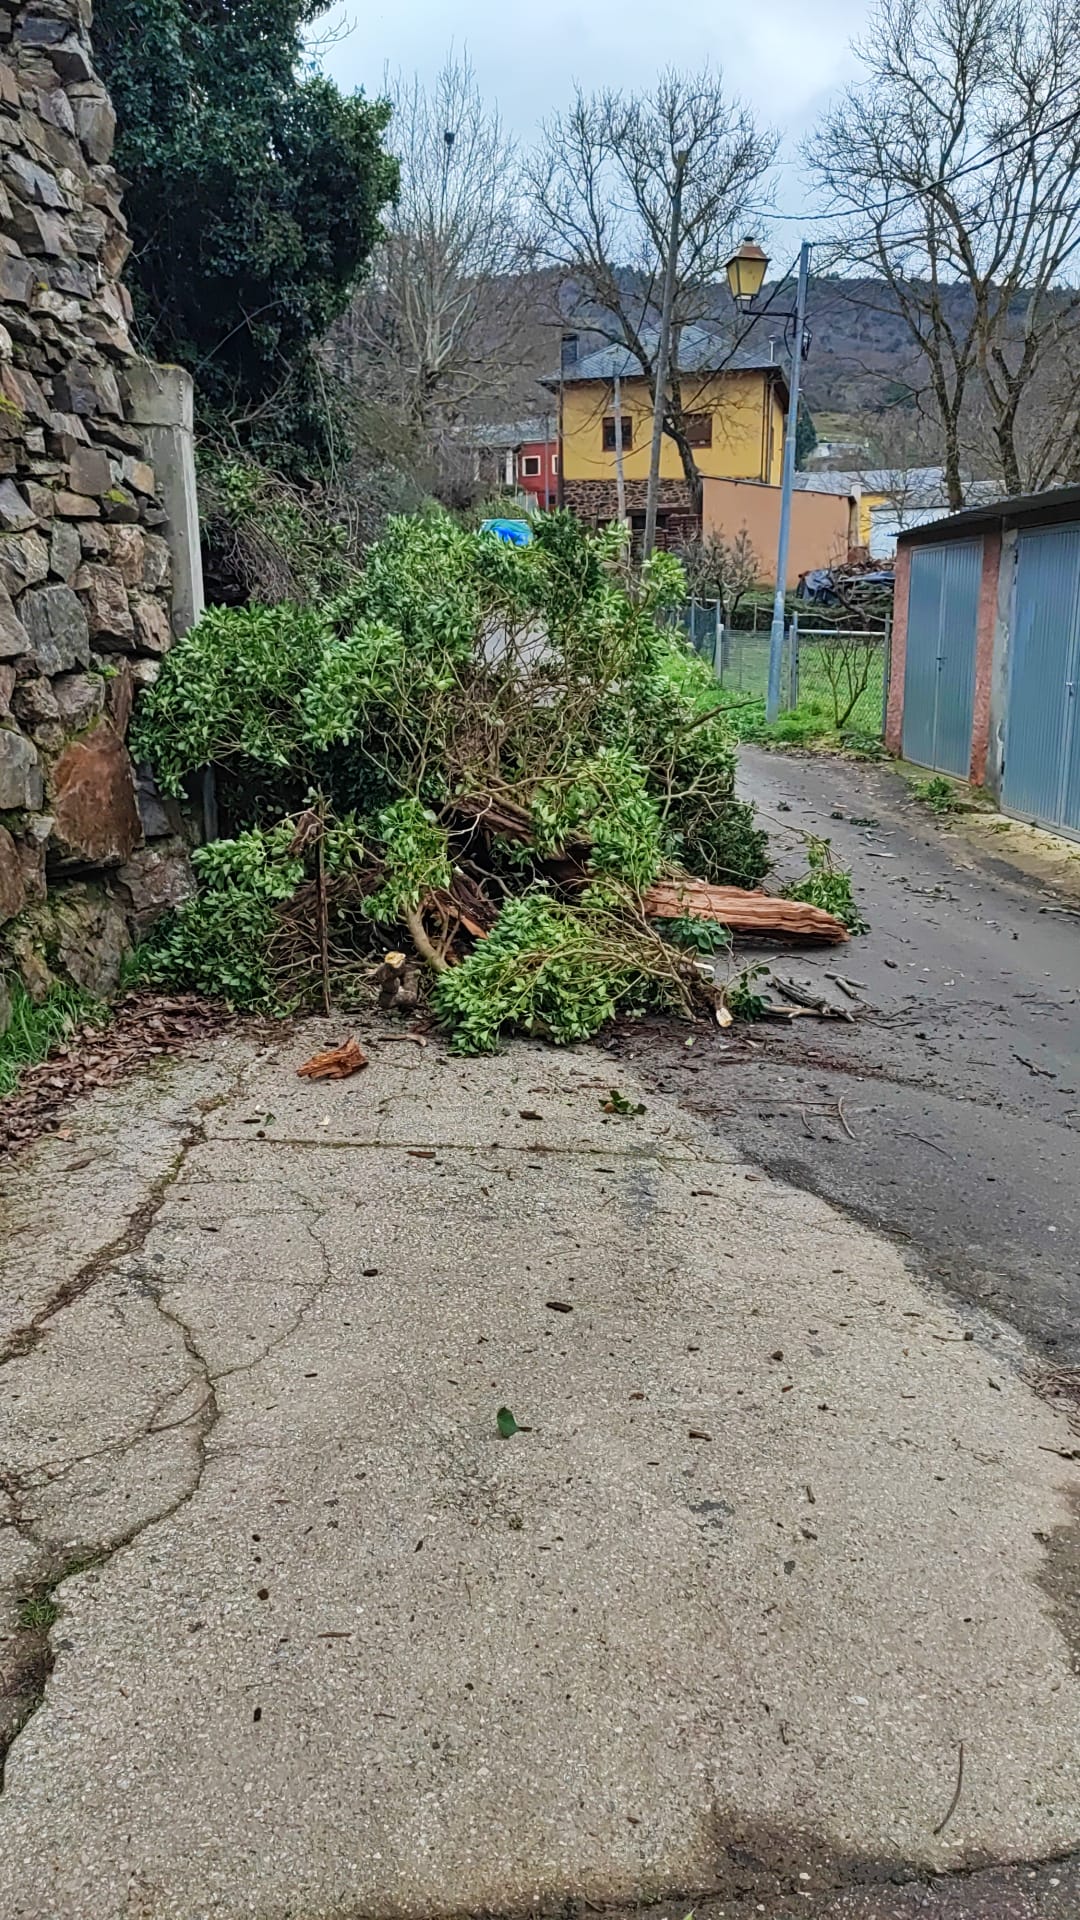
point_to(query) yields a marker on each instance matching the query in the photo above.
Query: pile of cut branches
(476, 752)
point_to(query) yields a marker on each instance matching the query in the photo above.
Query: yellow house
(733, 406)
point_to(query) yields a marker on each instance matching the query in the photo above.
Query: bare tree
(603, 182)
(721, 569)
(431, 336)
(954, 172)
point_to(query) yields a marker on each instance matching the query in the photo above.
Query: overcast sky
(784, 56)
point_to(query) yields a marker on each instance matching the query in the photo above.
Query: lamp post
(746, 273)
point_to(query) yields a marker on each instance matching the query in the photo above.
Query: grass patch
(937, 793)
(36, 1029)
(823, 717)
(38, 1615)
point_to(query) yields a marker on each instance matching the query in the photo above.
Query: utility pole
(663, 354)
(787, 488)
(620, 477)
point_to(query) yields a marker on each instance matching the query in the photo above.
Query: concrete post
(161, 403)
(161, 406)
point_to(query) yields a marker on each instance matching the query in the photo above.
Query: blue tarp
(516, 533)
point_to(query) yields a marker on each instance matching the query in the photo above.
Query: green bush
(453, 678)
(220, 942)
(416, 860)
(231, 688)
(607, 803)
(937, 793)
(827, 886)
(554, 972)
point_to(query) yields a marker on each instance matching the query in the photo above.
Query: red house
(538, 464)
(522, 456)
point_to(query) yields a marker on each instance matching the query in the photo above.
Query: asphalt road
(960, 1080)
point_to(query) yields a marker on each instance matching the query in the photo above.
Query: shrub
(828, 886)
(220, 942)
(551, 971)
(459, 699)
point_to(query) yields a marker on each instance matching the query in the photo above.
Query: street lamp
(746, 274)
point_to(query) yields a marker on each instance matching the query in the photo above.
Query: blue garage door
(1041, 776)
(939, 670)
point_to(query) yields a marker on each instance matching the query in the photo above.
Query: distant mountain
(861, 356)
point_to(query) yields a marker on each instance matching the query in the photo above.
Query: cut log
(741, 911)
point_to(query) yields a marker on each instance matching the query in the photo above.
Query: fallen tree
(487, 754)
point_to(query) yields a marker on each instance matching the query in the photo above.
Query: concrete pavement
(784, 1528)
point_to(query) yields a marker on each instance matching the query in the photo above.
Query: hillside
(860, 359)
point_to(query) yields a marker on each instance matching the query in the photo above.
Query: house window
(698, 429)
(637, 531)
(554, 463)
(530, 466)
(609, 433)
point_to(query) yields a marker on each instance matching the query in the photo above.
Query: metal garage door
(1041, 777)
(939, 671)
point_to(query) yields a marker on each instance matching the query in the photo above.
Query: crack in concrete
(687, 1156)
(48, 1473)
(747, 1880)
(23, 1339)
(31, 1655)
(36, 1595)
(281, 1339)
(34, 1658)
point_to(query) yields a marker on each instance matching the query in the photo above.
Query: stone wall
(87, 853)
(596, 504)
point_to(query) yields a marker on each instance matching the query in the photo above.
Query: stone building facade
(678, 519)
(88, 852)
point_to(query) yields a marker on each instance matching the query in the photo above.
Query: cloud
(784, 59)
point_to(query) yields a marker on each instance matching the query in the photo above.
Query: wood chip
(337, 1063)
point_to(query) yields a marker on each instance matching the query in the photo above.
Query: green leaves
(416, 860)
(451, 668)
(617, 1102)
(606, 800)
(219, 942)
(554, 971)
(828, 886)
(506, 1423)
(254, 195)
(231, 686)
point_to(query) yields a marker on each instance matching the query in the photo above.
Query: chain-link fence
(837, 674)
(842, 672)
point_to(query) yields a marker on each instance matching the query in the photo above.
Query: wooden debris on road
(337, 1063)
(741, 910)
(808, 1002)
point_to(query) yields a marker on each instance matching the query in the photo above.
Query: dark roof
(1055, 505)
(701, 350)
(508, 433)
